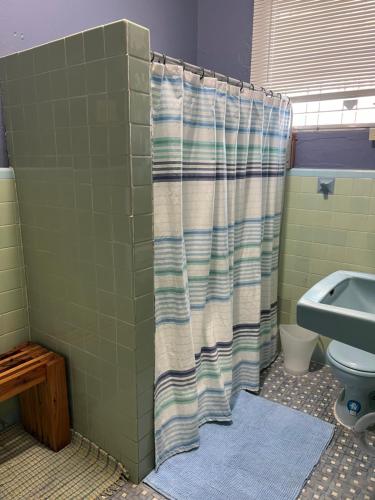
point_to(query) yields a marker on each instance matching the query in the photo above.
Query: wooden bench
(38, 377)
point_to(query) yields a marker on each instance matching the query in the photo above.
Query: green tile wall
(322, 236)
(14, 321)
(14, 324)
(77, 113)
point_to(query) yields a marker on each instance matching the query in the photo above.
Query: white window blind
(318, 50)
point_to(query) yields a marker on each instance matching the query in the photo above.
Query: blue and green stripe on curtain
(218, 171)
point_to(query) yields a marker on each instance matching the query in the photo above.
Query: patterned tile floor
(344, 471)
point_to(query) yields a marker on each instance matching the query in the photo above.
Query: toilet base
(348, 410)
(339, 412)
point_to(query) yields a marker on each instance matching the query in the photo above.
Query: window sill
(344, 126)
(6, 173)
(331, 172)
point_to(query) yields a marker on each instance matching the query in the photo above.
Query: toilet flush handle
(360, 431)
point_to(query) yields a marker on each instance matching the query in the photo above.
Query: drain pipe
(360, 430)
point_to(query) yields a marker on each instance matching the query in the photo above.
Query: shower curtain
(219, 157)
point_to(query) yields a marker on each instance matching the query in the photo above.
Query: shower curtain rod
(162, 58)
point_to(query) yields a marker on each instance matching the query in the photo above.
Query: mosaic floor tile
(344, 472)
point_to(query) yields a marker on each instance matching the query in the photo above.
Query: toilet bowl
(355, 369)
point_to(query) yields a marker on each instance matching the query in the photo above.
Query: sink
(342, 307)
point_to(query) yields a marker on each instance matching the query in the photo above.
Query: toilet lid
(353, 358)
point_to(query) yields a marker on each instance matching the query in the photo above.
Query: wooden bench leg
(44, 408)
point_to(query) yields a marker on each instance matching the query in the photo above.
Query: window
(322, 54)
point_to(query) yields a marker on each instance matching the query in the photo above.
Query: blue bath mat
(267, 453)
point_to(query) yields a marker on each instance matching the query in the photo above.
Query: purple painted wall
(172, 23)
(27, 23)
(335, 149)
(224, 36)
(215, 34)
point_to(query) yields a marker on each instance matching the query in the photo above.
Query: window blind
(321, 47)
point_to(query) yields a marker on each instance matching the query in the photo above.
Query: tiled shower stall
(77, 114)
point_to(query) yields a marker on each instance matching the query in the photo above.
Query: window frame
(268, 33)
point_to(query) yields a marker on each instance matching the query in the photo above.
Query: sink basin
(342, 307)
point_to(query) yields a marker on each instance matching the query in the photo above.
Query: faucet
(326, 186)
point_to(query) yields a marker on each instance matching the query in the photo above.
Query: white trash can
(298, 345)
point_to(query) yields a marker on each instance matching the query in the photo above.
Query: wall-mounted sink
(342, 307)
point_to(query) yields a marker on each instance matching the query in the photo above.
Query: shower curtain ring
(182, 64)
(279, 95)
(252, 86)
(164, 59)
(152, 56)
(202, 75)
(228, 82)
(241, 89)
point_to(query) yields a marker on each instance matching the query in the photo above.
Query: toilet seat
(351, 360)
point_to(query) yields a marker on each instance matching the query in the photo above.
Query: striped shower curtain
(218, 170)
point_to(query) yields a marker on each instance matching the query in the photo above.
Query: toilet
(355, 369)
